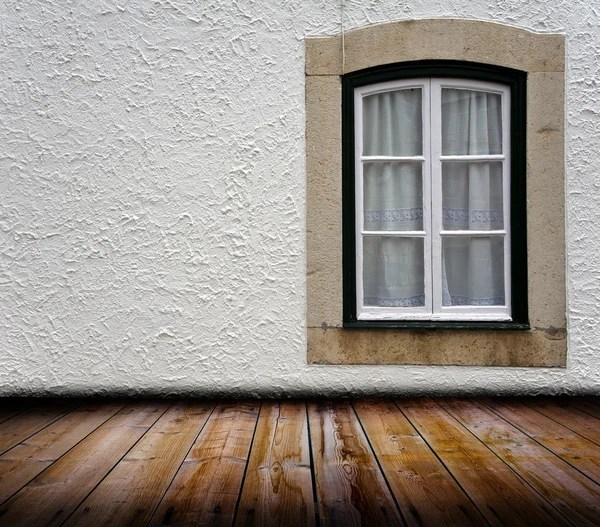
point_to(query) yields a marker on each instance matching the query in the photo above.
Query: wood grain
(562, 441)
(570, 492)
(424, 489)
(589, 405)
(581, 422)
(23, 425)
(370, 462)
(133, 489)
(22, 463)
(206, 488)
(51, 497)
(499, 494)
(278, 485)
(351, 490)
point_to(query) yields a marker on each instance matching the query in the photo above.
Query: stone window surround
(542, 57)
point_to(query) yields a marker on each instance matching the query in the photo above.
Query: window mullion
(427, 205)
(385, 159)
(436, 193)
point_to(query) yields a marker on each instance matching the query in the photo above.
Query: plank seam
(26, 407)
(65, 452)
(574, 431)
(313, 475)
(581, 405)
(43, 427)
(239, 496)
(113, 467)
(576, 402)
(443, 464)
(491, 409)
(379, 464)
(150, 518)
(510, 468)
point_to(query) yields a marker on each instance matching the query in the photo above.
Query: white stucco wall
(152, 197)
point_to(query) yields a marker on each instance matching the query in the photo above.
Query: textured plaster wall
(152, 198)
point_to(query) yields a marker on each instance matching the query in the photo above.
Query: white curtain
(472, 266)
(393, 194)
(393, 123)
(394, 272)
(393, 267)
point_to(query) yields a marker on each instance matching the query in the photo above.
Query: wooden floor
(526, 461)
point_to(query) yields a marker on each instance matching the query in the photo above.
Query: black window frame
(516, 80)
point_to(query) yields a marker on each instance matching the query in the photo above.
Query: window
(431, 187)
(532, 66)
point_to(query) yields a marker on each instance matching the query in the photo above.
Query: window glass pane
(392, 123)
(471, 122)
(472, 196)
(393, 196)
(393, 272)
(473, 271)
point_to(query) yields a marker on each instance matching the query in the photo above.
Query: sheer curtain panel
(472, 198)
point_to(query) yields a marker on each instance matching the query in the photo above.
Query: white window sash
(432, 232)
(441, 312)
(391, 313)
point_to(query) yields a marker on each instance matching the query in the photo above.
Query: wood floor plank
(570, 492)
(206, 488)
(55, 493)
(568, 445)
(519, 464)
(278, 485)
(20, 427)
(25, 461)
(351, 490)
(424, 489)
(10, 407)
(133, 489)
(499, 494)
(589, 405)
(581, 422)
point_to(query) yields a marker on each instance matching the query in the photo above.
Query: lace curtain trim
(485, 216)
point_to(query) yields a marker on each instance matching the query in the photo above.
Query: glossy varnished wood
(128, 495)
(500, 495)
(426, 492)
(575, 449)
(436, 461)
(51, 497)
(588, 405)
(278, 486)
(570, 416)
(571, 493)
(206, 488)
(351, 489)
(25, 461)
